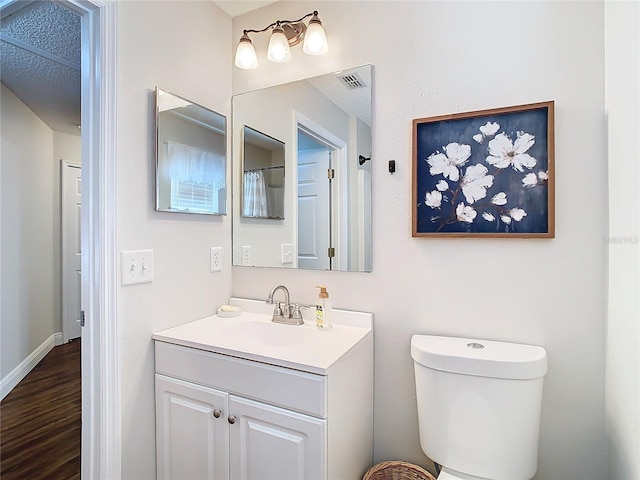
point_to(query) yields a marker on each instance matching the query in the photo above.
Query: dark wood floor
(40, 420)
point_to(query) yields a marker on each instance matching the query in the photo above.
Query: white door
(192, 433)
(270, 443)
(71, 254)
(314, 221)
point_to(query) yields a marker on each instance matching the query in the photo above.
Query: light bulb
(245, 54)
(315, 40)
(278, 50)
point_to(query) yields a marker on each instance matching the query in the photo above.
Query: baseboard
(17, 374)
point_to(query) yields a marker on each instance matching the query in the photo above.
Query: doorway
(101, 437)
(314, 204)
(322, 193)
(100, 383)
(71, 196)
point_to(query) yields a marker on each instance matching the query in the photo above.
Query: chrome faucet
(278, 309)
(285, 313)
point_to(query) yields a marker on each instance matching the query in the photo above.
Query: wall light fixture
(284, 34)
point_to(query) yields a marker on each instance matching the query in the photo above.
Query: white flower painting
(433, 199)
(475, 183)
(488, 130)
(465, 213)
(447, 163)
(485, 172)
(504, 153)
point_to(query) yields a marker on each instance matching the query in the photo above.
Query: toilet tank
(479, 404)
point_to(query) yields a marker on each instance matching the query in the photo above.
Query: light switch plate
(216, 259)
(287, 253)
(246, 255)
(136, 266)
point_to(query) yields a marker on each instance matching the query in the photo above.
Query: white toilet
(479, 406)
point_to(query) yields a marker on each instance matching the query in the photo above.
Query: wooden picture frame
(488, 173)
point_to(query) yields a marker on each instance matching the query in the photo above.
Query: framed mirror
(323, 126)
(191, 164)
(263, 175)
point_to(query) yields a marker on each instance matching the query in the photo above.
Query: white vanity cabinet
(191, 436)
(221, 416)
(198, 428)
(269, 442)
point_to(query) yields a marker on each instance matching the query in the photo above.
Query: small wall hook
(362, 159)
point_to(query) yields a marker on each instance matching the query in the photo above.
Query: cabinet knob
(232, 419)
(217, 413)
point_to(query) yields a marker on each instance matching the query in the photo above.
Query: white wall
(451, 57)
(31, 308)
(185, 48)
(360, 199)
(623, 331)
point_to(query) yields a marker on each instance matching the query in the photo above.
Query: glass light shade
(278, 50)
(245, 54)
(315, 40)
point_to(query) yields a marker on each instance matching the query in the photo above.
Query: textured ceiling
(40, 52)
(40, 57)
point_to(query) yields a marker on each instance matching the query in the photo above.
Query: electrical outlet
(287, 253)
(246, 255)
(216, 259)
(136, 266)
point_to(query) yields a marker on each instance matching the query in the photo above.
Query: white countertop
(253, 336)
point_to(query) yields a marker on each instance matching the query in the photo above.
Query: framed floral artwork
(487, 173)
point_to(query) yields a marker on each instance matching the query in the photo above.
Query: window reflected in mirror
(190, 157)
(263, 176)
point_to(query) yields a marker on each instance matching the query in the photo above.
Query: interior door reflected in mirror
(323, 125)
(190, 157)
(263, 171)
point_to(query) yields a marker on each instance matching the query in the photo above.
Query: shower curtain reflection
(255, 194)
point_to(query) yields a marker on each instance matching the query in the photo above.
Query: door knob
(217, 413)
(232, 419)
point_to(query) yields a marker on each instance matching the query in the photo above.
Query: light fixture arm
(280, 23)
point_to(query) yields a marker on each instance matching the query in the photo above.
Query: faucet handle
(297, 314)
(277, 312)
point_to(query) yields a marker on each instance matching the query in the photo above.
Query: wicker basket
(397, 470)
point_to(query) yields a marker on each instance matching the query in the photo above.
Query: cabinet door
(192, 437)
(270, 443)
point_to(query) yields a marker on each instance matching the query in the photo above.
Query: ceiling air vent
(351, 81)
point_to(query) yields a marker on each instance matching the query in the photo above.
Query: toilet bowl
(479, 404)
(446, 474)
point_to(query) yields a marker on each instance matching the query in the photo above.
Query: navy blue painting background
(435, 136)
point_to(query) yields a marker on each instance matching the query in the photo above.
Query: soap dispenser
(323, 309)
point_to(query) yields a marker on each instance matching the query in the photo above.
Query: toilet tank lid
(484, 358)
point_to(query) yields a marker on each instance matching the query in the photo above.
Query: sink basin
(253, 336)
(257, 332)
